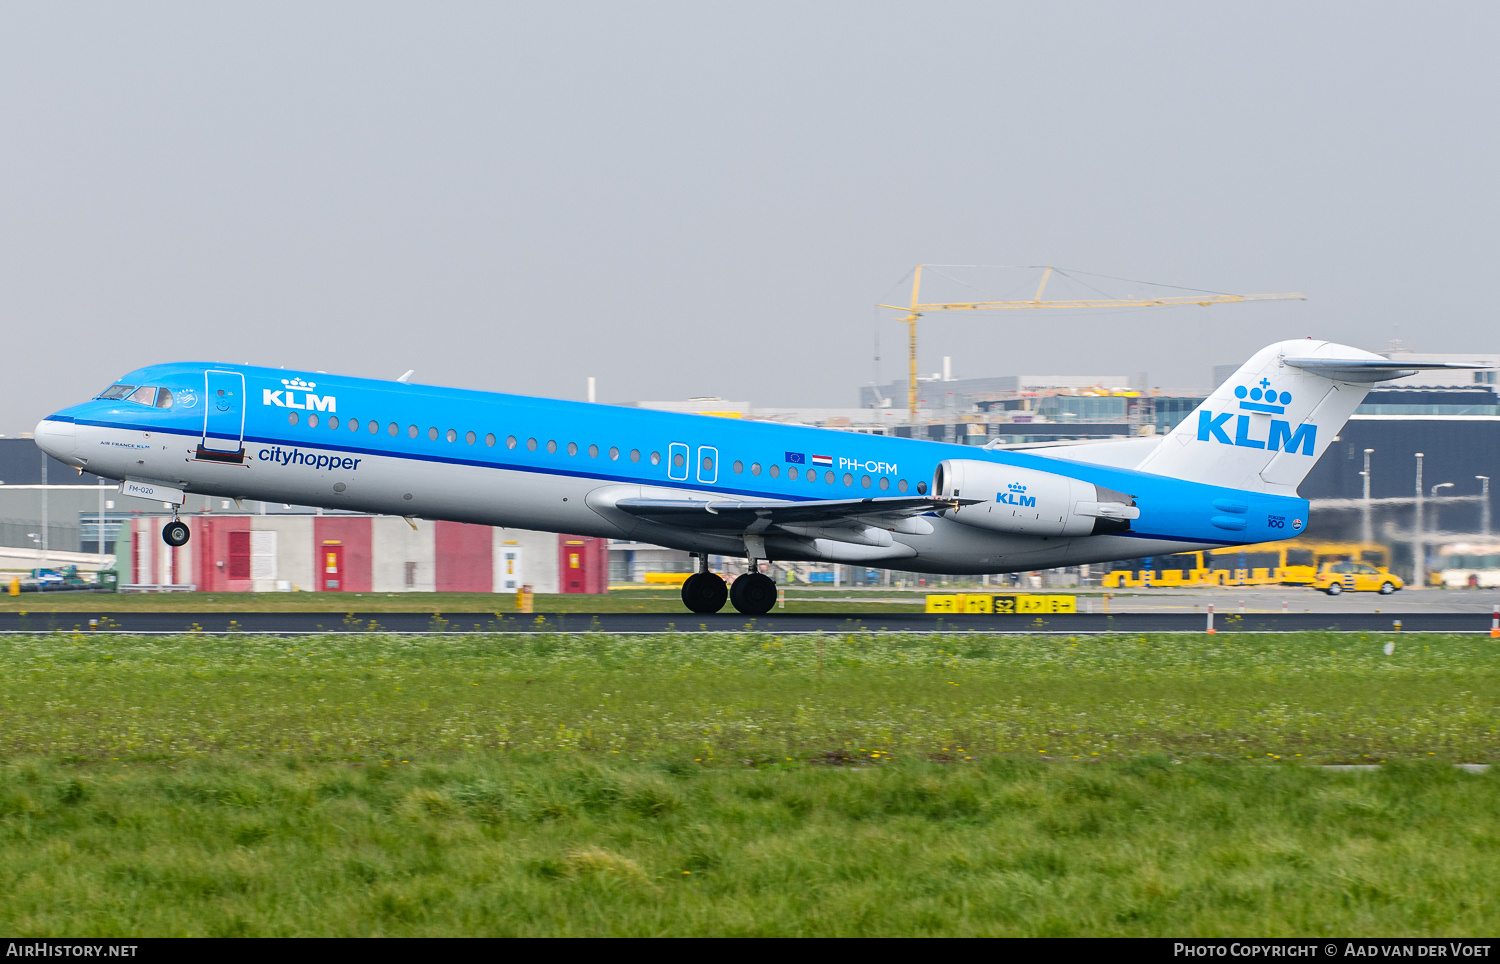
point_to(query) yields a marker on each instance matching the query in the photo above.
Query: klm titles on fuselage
(311, 402)
(1261, 401)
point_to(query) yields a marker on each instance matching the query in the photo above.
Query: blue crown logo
(1016, 487)
(1263, 399)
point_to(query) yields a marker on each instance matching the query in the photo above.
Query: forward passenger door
(224, 414)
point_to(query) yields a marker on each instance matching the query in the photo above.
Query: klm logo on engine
(1016, 495)
(1262, 401)
(294, 386)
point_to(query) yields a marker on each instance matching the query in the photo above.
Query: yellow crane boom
(918, 308)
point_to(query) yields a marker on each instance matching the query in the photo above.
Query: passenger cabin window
(114, 392)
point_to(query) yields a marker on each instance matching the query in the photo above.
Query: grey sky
(687, 199)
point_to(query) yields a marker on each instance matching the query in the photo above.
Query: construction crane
(918, 308)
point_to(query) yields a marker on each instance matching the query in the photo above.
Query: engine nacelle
(1029, 502)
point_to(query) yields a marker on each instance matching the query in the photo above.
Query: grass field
(660, 599)
(726, 784)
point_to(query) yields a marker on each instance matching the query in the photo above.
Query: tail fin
(1266, 427)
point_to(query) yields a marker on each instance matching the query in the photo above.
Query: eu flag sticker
(795, 458)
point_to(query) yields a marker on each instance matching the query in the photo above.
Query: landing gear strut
(176, 533)
(704, 591)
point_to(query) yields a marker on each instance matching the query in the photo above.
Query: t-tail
(1265, 428)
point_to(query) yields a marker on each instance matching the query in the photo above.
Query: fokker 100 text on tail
(1227, 475)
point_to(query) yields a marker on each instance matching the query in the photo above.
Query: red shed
(582, 564)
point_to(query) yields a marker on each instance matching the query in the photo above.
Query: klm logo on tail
(1261, 400)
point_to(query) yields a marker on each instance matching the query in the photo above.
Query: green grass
(568, 844)
(662, 599)
(962, 784)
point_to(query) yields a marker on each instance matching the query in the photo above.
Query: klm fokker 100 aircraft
(1228, 475)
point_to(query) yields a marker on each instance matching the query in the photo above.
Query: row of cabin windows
(679, 460)
(792, 472)
(470, 438)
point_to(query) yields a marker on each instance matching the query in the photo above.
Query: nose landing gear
(176, 533)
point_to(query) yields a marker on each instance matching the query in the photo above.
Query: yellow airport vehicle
(1295, 562)
(666, 578)
(1338, 577)
(1001, 602)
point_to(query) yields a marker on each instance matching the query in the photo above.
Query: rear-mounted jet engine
(1029, 502)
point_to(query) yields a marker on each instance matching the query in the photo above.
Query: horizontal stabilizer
(1370, 369)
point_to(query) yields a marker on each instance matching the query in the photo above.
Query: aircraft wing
(740, 515)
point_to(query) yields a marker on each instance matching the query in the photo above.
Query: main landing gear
(753, 594)
(176, 533)
(704, 592)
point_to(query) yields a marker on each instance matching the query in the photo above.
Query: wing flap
(739, 515)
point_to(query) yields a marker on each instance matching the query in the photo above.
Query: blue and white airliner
(1228, 475)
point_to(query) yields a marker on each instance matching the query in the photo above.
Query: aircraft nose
(56, 437)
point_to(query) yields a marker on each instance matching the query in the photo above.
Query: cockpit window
(116, 391)
(144, 395)
(164, 398)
